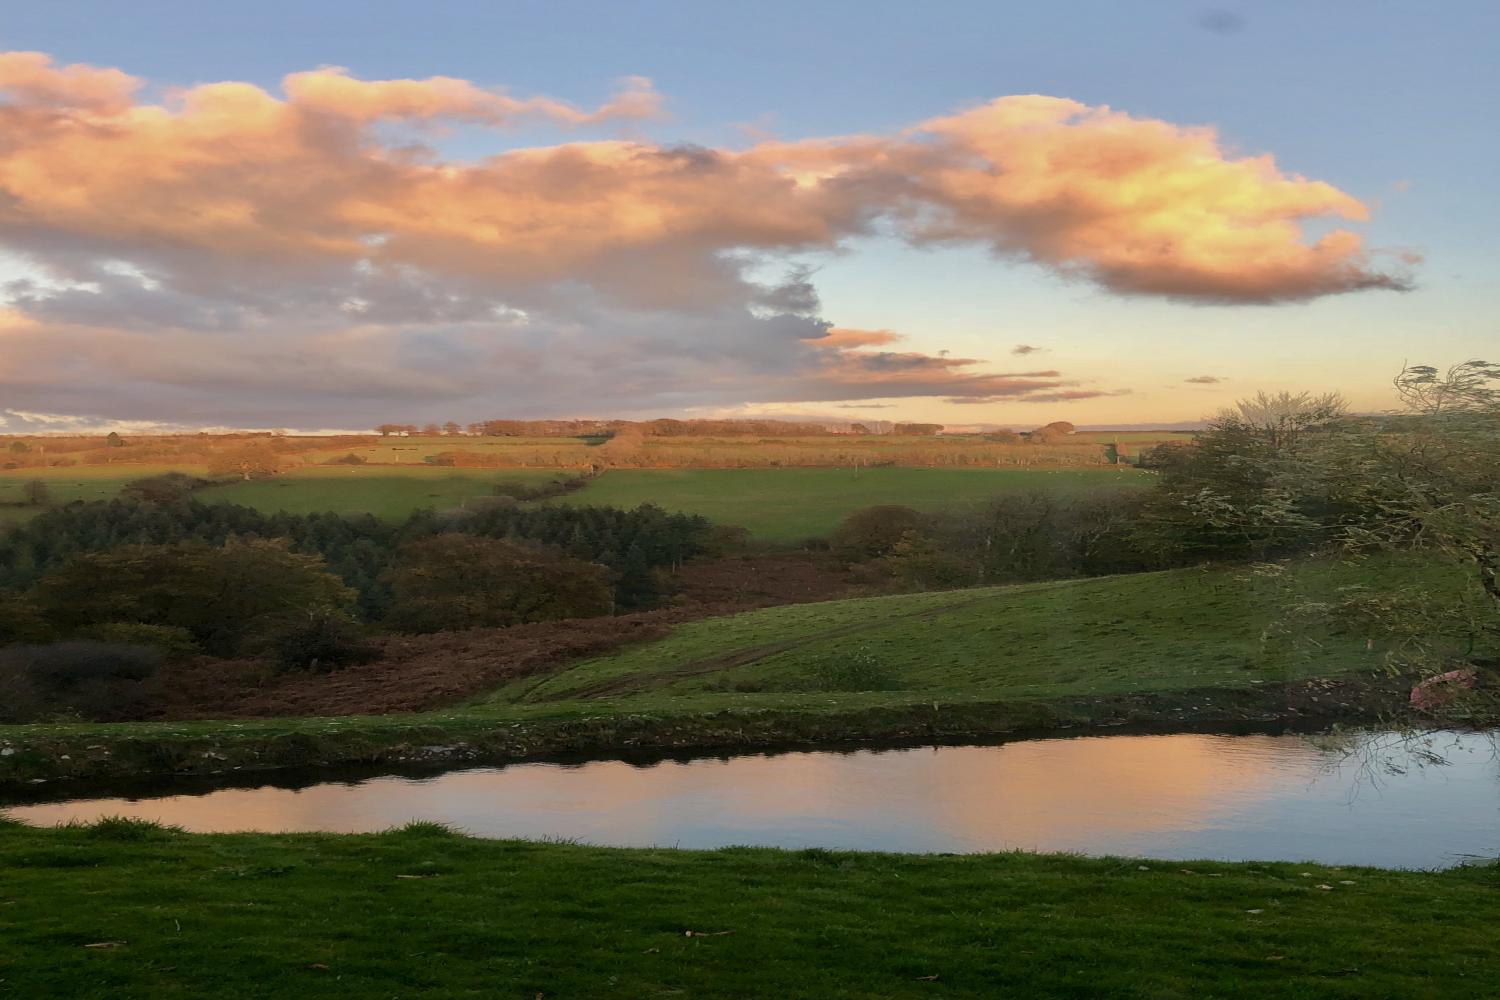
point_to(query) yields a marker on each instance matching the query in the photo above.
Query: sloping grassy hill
(1151, 632)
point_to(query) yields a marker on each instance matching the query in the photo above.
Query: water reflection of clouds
(1184, 795)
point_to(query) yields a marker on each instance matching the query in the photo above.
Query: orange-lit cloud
(331, 90)
(843, 370)
(31, 78)
(235, 227)
(1139, 206)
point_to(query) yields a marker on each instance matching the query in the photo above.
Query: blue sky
(1392, 103)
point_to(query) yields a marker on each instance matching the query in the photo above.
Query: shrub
(518, 490)
(322, 641)
(172, 640)
(169, 487)
(22, 621)
(99, 681)
(455, 581)
(853, 670)
(874, 531)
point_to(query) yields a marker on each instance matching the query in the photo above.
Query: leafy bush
(321, 641)
(172, 640)
(225, 598)
(517, 489)
(453, 581)
(22, 621)
(169, 487)
(98, 681)
(874, 531)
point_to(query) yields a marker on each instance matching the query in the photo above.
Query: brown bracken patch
(420, 672)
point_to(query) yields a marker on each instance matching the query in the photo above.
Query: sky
(338, 214)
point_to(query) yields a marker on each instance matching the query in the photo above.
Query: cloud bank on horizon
(226, 254)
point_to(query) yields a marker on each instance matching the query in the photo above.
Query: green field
(390, 492)
(777, 505)
(789, 505)
(1177, 630)
(79, 482)
(127, 910)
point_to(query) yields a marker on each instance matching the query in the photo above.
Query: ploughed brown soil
(414, 673)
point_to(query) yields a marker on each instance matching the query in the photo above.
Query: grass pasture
(124, 909)
(78, 482)
(789, 505)
(777, 505)
(1148, 633)
(390, 492)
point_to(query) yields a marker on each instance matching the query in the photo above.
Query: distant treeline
(360, 550)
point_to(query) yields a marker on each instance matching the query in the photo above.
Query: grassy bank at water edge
(126, 910)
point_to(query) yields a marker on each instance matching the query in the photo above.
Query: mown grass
(390, 492)
(129, 910)
(789, 505)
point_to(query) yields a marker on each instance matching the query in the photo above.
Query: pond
(1255, 797)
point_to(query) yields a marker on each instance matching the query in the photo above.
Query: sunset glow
(334, 243)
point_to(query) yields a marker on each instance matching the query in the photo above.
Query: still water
(1176, 796)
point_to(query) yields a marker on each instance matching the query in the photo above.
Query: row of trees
(1013, 538)
(621, 551)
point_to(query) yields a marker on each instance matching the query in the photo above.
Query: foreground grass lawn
(129, 910)
(789, 505)
(390, 492)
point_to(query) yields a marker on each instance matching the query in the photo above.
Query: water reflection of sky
(1181, 796)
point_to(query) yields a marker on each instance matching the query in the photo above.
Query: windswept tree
(1428, 479)
(1254, 484)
